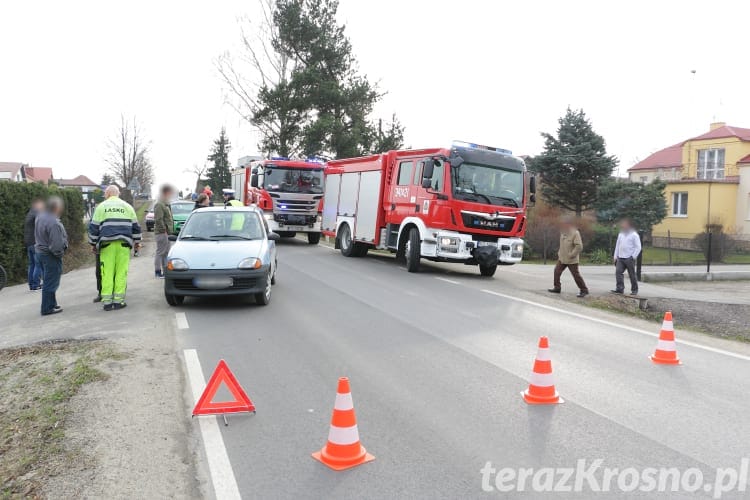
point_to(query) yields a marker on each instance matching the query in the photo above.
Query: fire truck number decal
(401, 192)
(425, 206)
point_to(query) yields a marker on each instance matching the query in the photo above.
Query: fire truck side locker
(368, 206)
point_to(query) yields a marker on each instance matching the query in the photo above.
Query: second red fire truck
(290, 193)
(464, 204)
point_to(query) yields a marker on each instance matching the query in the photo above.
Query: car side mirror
(532, 198)
(172, 237)
(426, 183)
(254, 180)
(274, 236)
(532, 184)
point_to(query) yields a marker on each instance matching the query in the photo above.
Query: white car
(222, 251)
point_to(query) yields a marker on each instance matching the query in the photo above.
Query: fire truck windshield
(487, 184)
(293, 180)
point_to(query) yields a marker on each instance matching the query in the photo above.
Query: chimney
(716, 125)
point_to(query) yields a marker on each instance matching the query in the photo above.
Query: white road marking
(222, 476)
(617, 325)
(182, 322)
(448, 281)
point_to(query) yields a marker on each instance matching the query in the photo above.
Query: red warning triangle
(222, 374)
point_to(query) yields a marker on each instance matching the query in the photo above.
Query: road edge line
(182, 322)
(617, 325)
(219, 466)
(447, 280)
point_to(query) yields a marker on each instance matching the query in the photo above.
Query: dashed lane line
(182, 322)
(219, 466)
(617, 325)
(452, 282)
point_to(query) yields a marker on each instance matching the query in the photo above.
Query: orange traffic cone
(343, 449)
(541, 389)
(666, 349)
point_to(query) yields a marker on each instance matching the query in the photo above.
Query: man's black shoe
(58, 307)
(553, 290)
(582, 294)
(109, 307)
(53, 311)
(618, 292)
(634, 293)
(121, 305)
(98, 298)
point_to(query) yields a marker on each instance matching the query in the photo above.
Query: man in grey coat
(51, 244)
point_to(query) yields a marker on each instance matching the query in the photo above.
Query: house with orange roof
(708, 183)
(37, 174)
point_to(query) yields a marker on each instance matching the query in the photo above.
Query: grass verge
(36, 385)
(729, 321)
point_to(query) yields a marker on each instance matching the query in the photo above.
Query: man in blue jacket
(51, 243)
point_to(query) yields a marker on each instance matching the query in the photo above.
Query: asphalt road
(437, 362)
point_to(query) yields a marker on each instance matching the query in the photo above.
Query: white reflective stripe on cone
(343, 401)
(541, 379)
(543, 354)
(343, 435)
(666, 345)
(668, 326)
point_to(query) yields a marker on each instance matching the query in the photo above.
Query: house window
(405, 170)
(711, 163)
(644, 179)
(679, 204)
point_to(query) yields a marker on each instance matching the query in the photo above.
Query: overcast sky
(493, 71)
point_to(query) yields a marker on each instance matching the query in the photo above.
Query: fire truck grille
(475, 222)
(295, 206)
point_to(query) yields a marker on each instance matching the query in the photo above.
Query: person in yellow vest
(114, 230)
(238, 220)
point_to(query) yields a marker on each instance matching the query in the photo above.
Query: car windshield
(223, 225)
(182, 208)
(487, 184)
(293, 180)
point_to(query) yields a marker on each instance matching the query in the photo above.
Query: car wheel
(264, 298)
(345, 241)
(313, 238)
(412, 251)
(488, 270)
(174, 300)
(275, 270)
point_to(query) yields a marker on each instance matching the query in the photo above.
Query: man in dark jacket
(163, 227)
(35, 268)
(51, 243)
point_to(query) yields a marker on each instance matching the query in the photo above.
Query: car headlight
(518, 247)
(250, 263)
(447, 241)
(177, 265)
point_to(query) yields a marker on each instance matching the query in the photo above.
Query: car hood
(222, 254)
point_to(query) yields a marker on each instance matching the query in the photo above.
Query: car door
(403, 195)
(426, 198)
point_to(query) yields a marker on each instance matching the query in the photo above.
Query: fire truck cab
(289, 192)
(464, 204)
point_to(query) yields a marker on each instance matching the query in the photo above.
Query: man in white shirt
(627, 249)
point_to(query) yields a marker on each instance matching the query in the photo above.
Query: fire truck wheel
(412, 251)
(313, 238)
(345, 241)
(360, 249)
(488, 270)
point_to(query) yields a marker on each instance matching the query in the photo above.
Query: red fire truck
(466, 204)
(290, 193)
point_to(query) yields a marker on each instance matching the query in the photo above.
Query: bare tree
(199, 171)
(128, 155)
(258, 69)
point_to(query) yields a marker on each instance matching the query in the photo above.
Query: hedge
(15, 200)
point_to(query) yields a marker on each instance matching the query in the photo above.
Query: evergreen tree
(107, 180)
(219, 175)
(574, 164)
(310, 98)
(644, 204)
